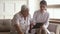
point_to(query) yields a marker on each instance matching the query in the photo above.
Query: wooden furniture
(57, 21)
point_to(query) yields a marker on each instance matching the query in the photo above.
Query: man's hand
(18, 28)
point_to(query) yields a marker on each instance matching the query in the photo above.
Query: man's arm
(16, 24)
(18, 28)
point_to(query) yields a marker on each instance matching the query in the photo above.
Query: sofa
(6, 27)
(54, 28)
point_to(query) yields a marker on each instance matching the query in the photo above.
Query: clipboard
(37, 25)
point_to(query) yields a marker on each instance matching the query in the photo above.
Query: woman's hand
(43, 27)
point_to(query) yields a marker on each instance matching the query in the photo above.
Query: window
(33, 6)
(54, 8)
(8, 8)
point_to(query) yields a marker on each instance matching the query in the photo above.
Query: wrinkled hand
(32, 24)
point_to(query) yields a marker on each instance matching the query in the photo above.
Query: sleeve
(29, 19)
(34, 16)
(15, 20)
(47, 21)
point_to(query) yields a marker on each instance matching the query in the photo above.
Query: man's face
(26, 12)
(42, 7)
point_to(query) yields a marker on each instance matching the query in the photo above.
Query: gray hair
(23, 7)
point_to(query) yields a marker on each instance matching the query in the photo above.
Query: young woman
(21, 20)
(42, 16)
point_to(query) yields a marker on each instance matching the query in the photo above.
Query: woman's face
(26, 12)
(43, 7)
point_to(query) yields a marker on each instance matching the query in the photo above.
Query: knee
(43, 31)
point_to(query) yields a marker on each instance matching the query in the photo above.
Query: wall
(33, 6)
(9, 7)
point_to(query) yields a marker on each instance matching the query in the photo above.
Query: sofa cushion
(52, 28)
(52, 33)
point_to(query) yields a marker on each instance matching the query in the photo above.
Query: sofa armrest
(58, 29)
(53, 28)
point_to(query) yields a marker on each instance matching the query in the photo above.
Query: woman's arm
(47, 21)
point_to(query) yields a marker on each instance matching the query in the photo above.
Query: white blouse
(24, 24)
(41, 17)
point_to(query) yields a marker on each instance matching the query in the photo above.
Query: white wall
(9, 7)
(33, 6)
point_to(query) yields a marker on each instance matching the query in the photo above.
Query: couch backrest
(5, 24)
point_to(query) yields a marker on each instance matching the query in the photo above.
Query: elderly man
(21, 20)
